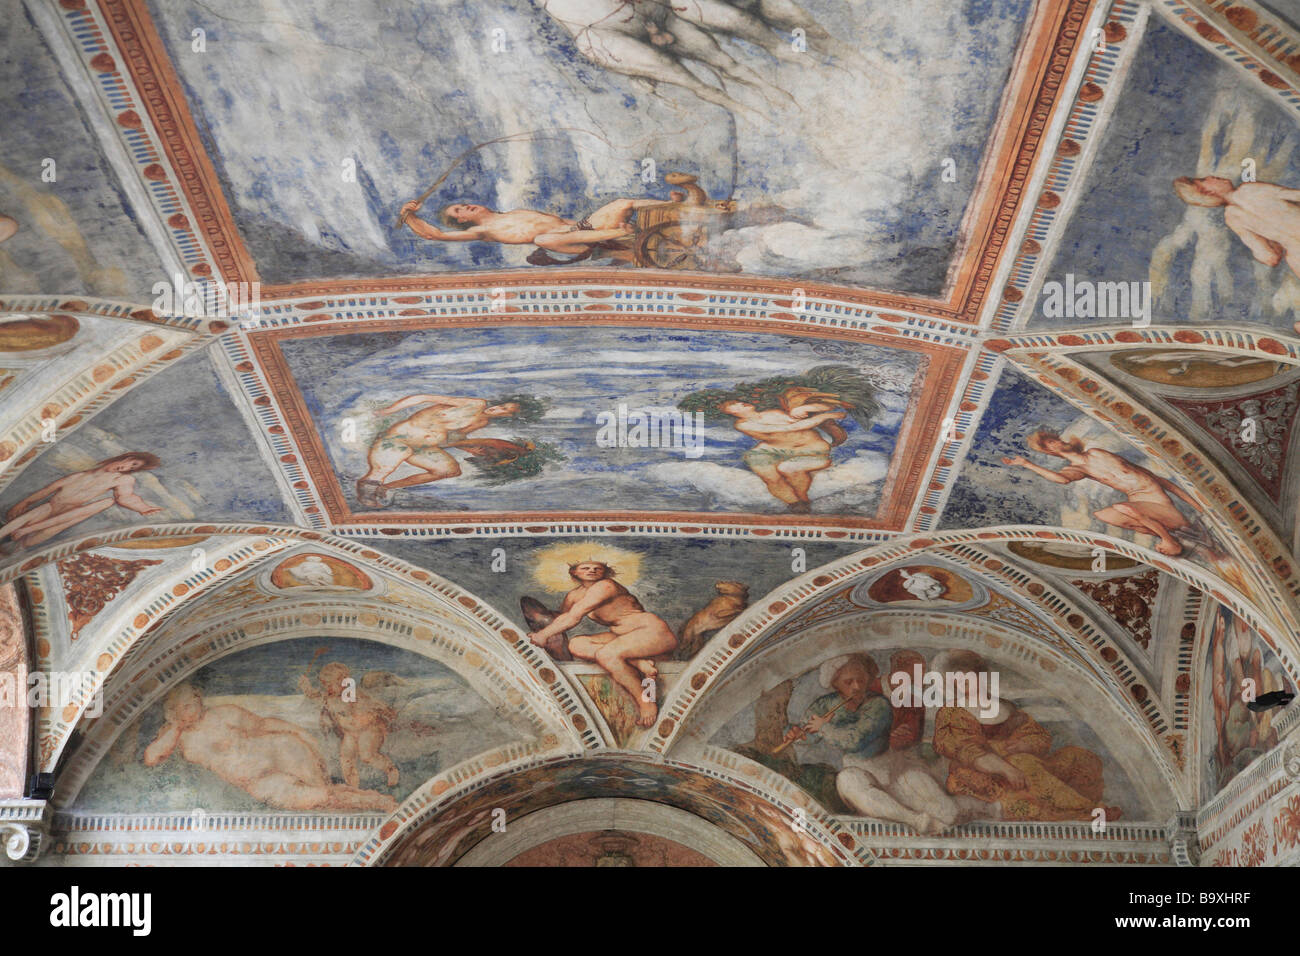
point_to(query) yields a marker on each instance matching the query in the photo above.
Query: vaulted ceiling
(838, 331)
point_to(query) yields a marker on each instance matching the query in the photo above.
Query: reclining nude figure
(270, 759)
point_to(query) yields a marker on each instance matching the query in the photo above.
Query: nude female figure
(634, 636)
(790, 449)
(272, 760)
(529, 226)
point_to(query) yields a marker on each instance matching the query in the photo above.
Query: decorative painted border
(248, 838)
(1271, 43)
(1105, 69)
(141, 94)
(572, 298)
(429, 802)
(1251, 789)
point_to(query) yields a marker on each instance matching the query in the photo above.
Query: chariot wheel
(671, 245)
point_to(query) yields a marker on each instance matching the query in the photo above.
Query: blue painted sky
(582, 372)
(1184, 113)
(843, 181)
(991, 493)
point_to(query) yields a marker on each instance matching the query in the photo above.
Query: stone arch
(1130, 738)
(784, 604)
(611, 813)
(177, 589)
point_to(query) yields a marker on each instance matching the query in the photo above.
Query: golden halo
(551, 564)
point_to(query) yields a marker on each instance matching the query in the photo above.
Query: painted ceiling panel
(287, 698)
(585, 404)
(1239, 409)
(836, 167)
(1072, 772)
(1184, 114)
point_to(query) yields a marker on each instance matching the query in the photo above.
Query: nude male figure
(790, 450)
(361, 722)
(76, 497)
(272, 760)
(418, 439)
(525, 226)
(1149, 509)
(634, 636)
(1265, 216)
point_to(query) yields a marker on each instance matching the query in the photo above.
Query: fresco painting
(328, 724)
(755, 136)
(97, 480)
(605, 419)
(14, 726)
(1208, 173)
(319, 572)
(843, 732)
(640, 499)
(66, 226)
(1244, 684)
(696, 585)
(1038, 460)
(628, 605)
(1187, 368)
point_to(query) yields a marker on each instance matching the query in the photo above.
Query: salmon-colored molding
(515, 298)
(155, 133)
(1233, 339)
(1111, 47)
